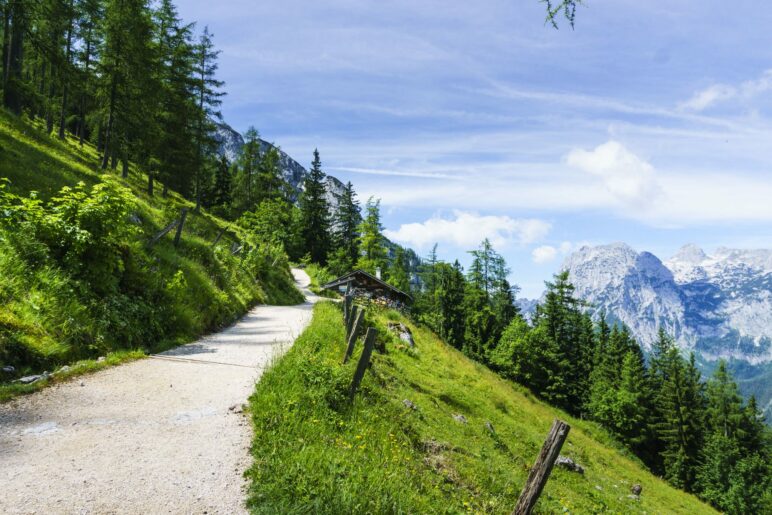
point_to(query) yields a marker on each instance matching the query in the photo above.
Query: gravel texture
(160, 435)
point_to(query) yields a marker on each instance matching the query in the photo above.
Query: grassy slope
(314, 453)
(34, 307)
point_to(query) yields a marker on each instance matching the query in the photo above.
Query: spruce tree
(244, 196)
(346, 222)
(315, 213)
(399, 274)
(681, 406)
(373, 250)
(222, 183)
(207, 92)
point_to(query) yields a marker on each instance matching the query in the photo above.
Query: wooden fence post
(347, 302)
(351, 334)
(217, 239)
(352, 315)
(540, 472)
(183, 216)
(364, 360)
(162, 232)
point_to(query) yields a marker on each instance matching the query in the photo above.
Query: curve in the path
(159, 435)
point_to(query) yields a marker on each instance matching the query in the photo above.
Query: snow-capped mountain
(230, 144)
(718, 305)
(633, 288)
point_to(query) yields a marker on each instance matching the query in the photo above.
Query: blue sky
(650, 123)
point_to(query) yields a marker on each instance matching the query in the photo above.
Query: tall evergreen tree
(208, 94)
(399, 274)
(315, 213)
(346, 222)
(681, 406)
(373, 251)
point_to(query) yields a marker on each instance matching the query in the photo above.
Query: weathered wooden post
(352, 314)
(364, 360)
(347, 302)
(351, 335)
(540, 472)
(183, 216)
(162, 232)
(217, 239)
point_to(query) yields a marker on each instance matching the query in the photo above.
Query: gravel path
(158, 435)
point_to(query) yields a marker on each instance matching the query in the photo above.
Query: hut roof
(363, 280)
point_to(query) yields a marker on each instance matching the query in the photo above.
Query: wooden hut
(368, 286)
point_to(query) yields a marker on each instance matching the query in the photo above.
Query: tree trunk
(110, 119)
(150, 182)
(82, 121)
(6, 43)
(12, 91)
(66, 77)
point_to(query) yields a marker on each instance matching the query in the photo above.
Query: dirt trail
(159, 435)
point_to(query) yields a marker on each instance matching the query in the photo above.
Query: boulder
(569, 464)
(636, 489)
(31, 379)
(8, 369)
(409, 404)
(489, 427)
(461, 419)
(403, 332)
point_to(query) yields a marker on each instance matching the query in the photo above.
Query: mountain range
(230, 142)
(716, 305)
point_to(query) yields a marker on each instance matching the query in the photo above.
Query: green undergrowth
(78, 279)
(320, 275)
(316, 453)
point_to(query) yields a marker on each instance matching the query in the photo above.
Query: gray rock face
(718, 305)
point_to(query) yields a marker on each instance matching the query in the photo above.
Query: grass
(316, 453)
(46, 321)
(320, 275)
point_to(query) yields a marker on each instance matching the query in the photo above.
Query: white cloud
(627, 177)
(468, 229)
(723, 92)
(548, 253)
(544, 254)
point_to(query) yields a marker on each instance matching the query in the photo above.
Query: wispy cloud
(718, 93)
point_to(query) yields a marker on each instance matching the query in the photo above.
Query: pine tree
(315, 213)
(346, 235)
(222, 183)
(244, 188)
(681, 406)
(206, 89)
(724, 405)
(373, 250)
(270, 183)
(449, 302)
(176, 150)
(399, 275)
